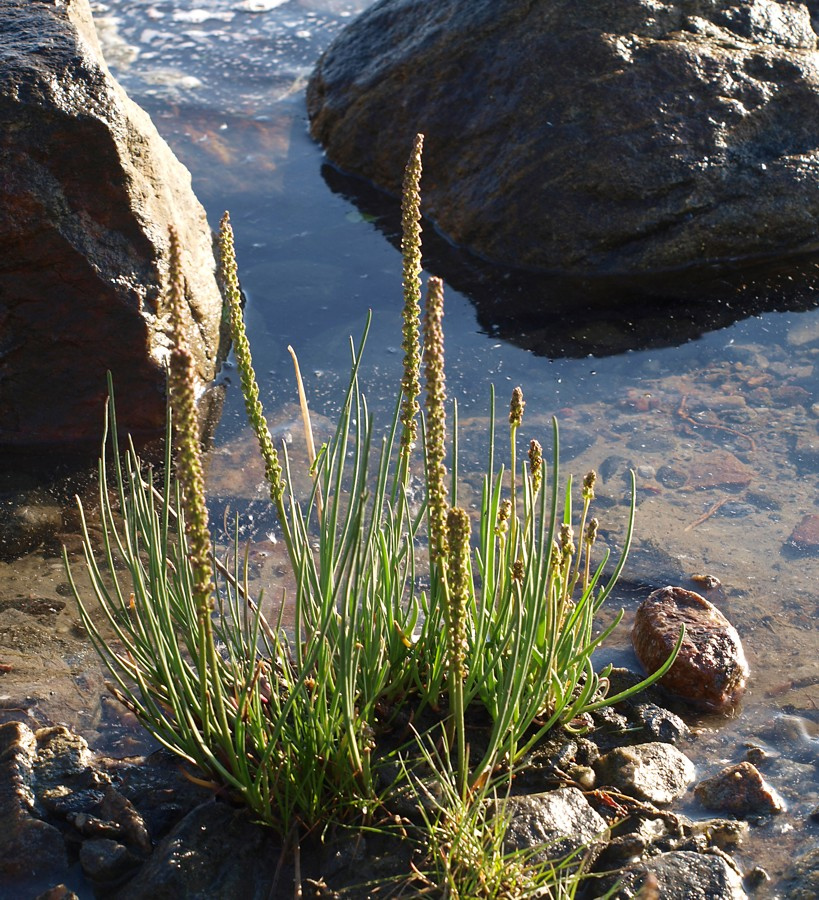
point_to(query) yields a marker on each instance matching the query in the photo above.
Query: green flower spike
(536, 465)
(459, 585)
(436, 418)
(411, 254)
(188, 454)
(244, 362)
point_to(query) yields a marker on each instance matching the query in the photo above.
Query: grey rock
(655, 771)
(560, 822)
(604, 136)
(740, 790)
(683, 875)
(87, 196)
(107, 862)
(61, 755)
(658, 723)
(802, 877)
(29, 847)
(215, 851)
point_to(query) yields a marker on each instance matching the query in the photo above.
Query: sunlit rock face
(88, 190)
(710, 670)
(609, 136)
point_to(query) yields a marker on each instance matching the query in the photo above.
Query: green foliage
(465, 852)
(395, 608)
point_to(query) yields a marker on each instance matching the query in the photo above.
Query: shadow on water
(560, 316)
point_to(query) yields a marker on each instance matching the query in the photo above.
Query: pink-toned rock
(719, 468)
(88, 193)
(711, 670)
(740, 790)
(805, 536)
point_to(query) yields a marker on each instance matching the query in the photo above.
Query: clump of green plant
(401, 603)
(466, 852)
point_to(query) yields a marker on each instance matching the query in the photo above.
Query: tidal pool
(717, 411)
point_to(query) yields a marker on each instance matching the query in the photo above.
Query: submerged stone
(805, 537)
(740, 790)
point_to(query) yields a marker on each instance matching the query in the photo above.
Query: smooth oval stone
(711, 670)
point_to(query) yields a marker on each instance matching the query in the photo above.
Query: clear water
(661, 387)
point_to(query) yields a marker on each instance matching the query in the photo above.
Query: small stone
(740, 790)
(719, 469)
(106, 862)
(584, 776)
(756, 755)
(710, 670)
(560, 820)
(655, 771)
(670, 477)
(58, 892)
(132, 828)
(660, 724)
(706, 582)
(756, 877)
(682, 875)
(726, 834)
(805, 537)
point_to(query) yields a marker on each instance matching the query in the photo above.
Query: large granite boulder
(599, 136)
(88, 190)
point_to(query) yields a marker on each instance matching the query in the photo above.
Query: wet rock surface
(683, 875)
(88, 195)
(215, 851)
(560, 822)
(714, 131)
(740, 790)
(710, 670)
(803, 876)
(30, 848)
(655, 772)
(139, 830)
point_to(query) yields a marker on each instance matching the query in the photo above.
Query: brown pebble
(805, 536)
(719, 469)
(711, 670)
(708, 582)
(740, 790)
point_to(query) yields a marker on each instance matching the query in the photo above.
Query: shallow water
(719, 420)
